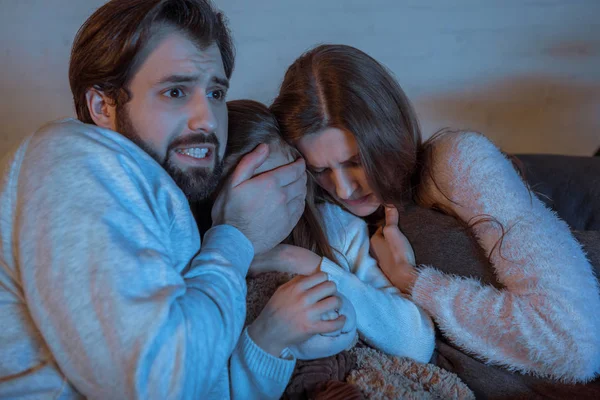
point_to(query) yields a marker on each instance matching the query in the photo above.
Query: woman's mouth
(357, 202)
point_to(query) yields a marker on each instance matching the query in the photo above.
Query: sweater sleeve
(545, 319)
(100, 277)
(255, 374)
(385, 319)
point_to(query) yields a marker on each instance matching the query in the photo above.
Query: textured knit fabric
(104, 290)
(543, 319)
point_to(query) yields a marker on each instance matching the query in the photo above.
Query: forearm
(131, 321)
(544, 320)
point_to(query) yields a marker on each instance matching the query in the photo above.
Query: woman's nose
(345, 185)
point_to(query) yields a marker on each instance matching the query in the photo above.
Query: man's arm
(102, 284)
(256, 374)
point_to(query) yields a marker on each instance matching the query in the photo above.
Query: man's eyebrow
(221, 81)
(178, 79)
(170, 79)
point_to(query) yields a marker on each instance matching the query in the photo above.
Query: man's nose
(203, 118)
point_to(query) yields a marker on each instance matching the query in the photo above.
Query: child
(339, 241)
(326, 238)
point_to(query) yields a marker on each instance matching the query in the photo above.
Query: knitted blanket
(361, 372)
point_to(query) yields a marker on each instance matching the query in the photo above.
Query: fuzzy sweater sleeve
(544, 321)
(385, 319)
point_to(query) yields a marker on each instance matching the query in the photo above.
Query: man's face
(177, 112)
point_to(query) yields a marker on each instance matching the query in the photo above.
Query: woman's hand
(301, 308)
(286, 258)
(393, 253)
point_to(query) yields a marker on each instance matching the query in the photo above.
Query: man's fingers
(296, 208)
(288, 173)
(295, 189)
(249, 163)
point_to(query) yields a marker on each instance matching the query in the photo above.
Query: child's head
(250, 124)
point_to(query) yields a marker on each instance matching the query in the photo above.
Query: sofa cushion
(569, 185)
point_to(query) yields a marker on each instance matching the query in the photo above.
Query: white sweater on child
(385, 319)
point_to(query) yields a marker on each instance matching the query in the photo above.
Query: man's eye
(217, 94)
(175, 93)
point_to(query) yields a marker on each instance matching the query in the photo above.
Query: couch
(571, 187)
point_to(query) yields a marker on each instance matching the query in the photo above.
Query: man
(105, 291)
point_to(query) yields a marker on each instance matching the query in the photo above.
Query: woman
(361, 140)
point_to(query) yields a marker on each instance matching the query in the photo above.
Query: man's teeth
(195, 152)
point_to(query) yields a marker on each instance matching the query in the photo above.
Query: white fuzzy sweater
(545, 320)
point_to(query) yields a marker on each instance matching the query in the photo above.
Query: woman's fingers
(391, 216)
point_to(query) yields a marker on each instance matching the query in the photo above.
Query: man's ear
(101, 108)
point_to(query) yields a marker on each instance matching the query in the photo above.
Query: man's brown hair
(107, 49)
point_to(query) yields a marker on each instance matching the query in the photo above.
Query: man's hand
(393, 253)
(286, 258)
(301, 308)
(265, 207)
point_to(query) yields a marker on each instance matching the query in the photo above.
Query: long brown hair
(250, 124)
(342, 87)
(108, 46)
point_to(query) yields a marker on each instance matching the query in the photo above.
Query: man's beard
(197, 183)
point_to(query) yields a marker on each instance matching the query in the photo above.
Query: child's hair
(250, 124)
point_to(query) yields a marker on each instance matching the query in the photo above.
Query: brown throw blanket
(361, 372)
(365, 373)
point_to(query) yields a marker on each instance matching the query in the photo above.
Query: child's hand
(299, 309)
(286, 258)
(393, 252)
(328, 344)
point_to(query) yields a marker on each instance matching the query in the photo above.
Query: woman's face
(332, 156)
